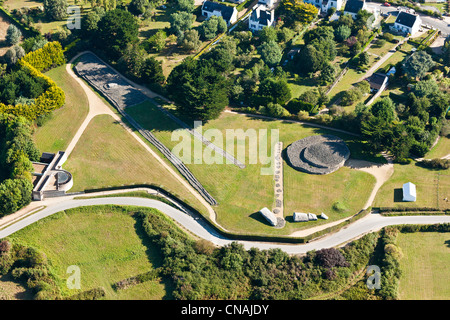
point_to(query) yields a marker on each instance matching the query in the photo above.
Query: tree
(384, 109)
(351, 96)
(152, 72)
(342, 33)
(267, 34)
(311, 60)
(330, 258)
(13, 35)
(210, 28)
(138, 7)
(270, 53)
(418, 64)
(200, 91)
(115, 31)
(364, 59)
(319, 33)
(276, 91)
(55, 9)
(14, 54)
(180, 22)
(274, 110)
(190, 40)
(327, 74)
(297, 10)
(158, 41)
(90, 21)
(185, 5)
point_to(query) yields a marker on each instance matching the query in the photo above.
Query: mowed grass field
(432, 187)
(58, 131)
(425, 271)
(107, 155)
(241, 193)
(106, 243)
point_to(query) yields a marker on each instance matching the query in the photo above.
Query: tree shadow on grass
(258, 217)
(154, 255)
(447, 242)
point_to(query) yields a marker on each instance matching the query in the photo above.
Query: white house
(352, 7)
(229, 14)
(325, 5)
(407, 23)
(409, 192)
(261, 17)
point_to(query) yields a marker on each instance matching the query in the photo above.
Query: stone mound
(321, 154)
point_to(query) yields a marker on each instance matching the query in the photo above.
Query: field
(241, 193)
(107, 155)
(59, 130)
(432, 187)
(425, 272)
(441, 149)
(106, 243)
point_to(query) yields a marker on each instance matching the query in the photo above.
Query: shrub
(436, 163)
(329, 258)
(13, 35)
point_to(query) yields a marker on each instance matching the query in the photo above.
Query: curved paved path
(371, 223)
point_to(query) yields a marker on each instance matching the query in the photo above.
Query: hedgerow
(51, 55)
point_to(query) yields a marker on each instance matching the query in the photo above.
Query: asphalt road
(370, 223)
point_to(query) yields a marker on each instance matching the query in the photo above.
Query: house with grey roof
(407, 23)
(352, 7)
(261, 17)
(229, 14)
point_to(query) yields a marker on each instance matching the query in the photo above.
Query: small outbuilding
(300, 217)
(409, 192)
(269, 216)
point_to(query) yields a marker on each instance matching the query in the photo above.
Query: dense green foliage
(201, 271)
(120, 23)
(16, 150)
(199, 89)
(55, 9)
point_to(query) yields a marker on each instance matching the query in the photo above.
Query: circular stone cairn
(321, 154)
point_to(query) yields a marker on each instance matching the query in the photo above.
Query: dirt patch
(4, 24)
(13, 290)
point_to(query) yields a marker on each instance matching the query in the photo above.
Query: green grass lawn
(241, 193)
(425, 272)
(432, 187)
(441, 149)
(56, 133)
(381, 50)
(107, 155)
(106, 243)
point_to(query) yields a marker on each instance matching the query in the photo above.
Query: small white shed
(324, 216)
(300, 217)
(270, 217)
(409, 192)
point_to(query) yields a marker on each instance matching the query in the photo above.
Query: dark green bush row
(140, 278)
(93, 294)
(404, 209)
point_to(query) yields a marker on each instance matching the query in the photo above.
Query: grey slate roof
(406, 19)
(376, 80)
(264, 16)
(354, 6)
(226, 11)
